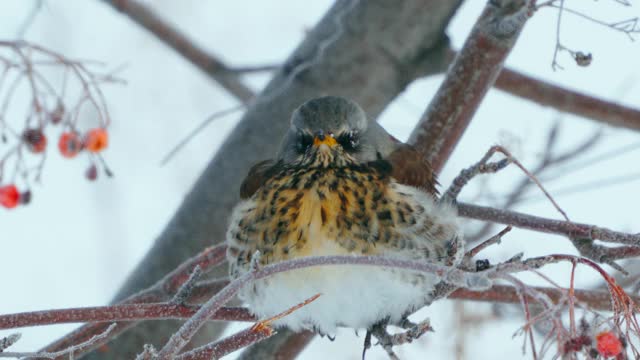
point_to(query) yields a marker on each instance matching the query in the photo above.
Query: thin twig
(71, 351)
(197, 130)
(491, 241)
(161, 291)
(254, 334)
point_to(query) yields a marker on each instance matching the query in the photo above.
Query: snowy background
(76, 242)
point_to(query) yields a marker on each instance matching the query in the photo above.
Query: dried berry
(582, 59)
(96, 140)
(69, 144)
(25, 197)
(35, 139)
(55, 117)
(9, 196)
(92, 173)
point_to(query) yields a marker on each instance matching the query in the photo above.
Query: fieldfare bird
(340, 185)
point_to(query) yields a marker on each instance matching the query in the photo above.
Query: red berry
(9, 196)
(608, 344)
(35, 139)
(96, 140)
(69, 144)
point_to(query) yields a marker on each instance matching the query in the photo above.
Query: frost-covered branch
(258, 332)
(69, 352)
(577, 232)
(478, 281)
(163, 290)
(117, 313)
(475, 283)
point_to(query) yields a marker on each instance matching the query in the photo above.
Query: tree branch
(570, 229)
(117, 313)
(598, 300)
(623, 305)
(566, 100)
(210, 65)
(471, 75)
(164, 289)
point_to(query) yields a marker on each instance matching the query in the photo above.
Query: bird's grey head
(329, 131)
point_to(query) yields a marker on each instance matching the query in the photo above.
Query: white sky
(77, 241)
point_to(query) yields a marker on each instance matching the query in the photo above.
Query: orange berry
(96, 140)
(9, 196)
(35, 139)
(609, 344)
(69, 144)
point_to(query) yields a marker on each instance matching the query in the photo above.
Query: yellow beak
(327, 140)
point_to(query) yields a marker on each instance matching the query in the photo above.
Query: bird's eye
(349, 141)
(303, 142)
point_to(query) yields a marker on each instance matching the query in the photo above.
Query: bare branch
(70, 352)
(213, 67)
(582, 235)
(471, 75)
(161, 291)
(566, 100)
(286, 345)
(117, 313)
(530, 222)
(256, 333)
(7, 341)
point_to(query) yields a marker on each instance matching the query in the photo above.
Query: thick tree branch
(597, 300)
(214, 68)
(471, 75)
(566, 100)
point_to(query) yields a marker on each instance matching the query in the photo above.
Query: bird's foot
(388, 341)
(316, 330)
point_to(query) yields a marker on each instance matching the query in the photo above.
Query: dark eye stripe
(303, 142)
(349, 141)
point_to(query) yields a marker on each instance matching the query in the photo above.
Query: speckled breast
(324, 211)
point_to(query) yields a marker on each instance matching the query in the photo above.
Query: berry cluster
(607, 344)
(63, 104)
(70, 144)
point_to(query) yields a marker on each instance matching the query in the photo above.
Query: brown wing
(410, 168)
(257, 176)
